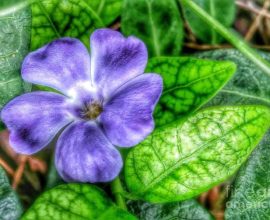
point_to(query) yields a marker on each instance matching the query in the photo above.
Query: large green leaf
(75, 201)
(249, 84)
(74, 18)
(187, 210)
(249, 199)
(10, 208)
(14, 44)
(182, 160)
(188, 84)
(156, 22)
(250, 193)
(221, 10)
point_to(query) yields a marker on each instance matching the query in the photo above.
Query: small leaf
(187, 210)
(157, 23)
(75, 201)
(10, 208)
(74, 18)
(250, 193)
(188, 84)
(14, 44)
(249, 85)
(182, 160)
(221, 10)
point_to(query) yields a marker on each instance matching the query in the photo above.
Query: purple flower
(105, 101)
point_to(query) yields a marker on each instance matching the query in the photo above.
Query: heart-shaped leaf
(250, 193)
(74, 18)
(221, 10)
(75, 201)
(10, 208)
(184, 159)
(157, 23)
(249, 85)
(14, 44)
(187, 210)
(188, 84)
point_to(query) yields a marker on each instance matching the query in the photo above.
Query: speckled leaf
(10, 208)
(75, 201)
(156, 22)
(249, 198)
(188, 84)
(184, 159)
(187, 210)
(250, 193)
(249, 84)
(221, 10)
(14, 44)
(74, 18)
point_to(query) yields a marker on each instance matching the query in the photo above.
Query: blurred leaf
(157, 23)
(188, 84)
(74, 18)
(10, 208)
(14, 44)
(75, 201)
(53, 178)
(249, 84)
(250, 192)
(182, 160)
(221, 10)
(187, 210)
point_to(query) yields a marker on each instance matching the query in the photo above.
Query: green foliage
(250, 193)
(182, 160)
(249, 199)
(249, 84)
(157, 23)
(14, 43)
(75, 201)
(52, 19)
(188, 84)
(189, 209)
(222, 10)
(10, 208)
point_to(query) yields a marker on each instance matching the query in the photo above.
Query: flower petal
(115, 59)
(34, 119)
(84, 154)
(63, 64)
(127, 117)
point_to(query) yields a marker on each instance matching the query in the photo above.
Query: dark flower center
(92, 111)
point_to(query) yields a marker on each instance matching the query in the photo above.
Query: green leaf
(74, 18)
(188, 84)
(187, 210)
(182, 160)
(250, 193)
(75, 201)
(249, 84)
(222, 10)
(10, 208)
(107, 10)
(157, 23)
(14, 44)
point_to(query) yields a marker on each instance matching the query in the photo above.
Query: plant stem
(117, 190)
(229, 35)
